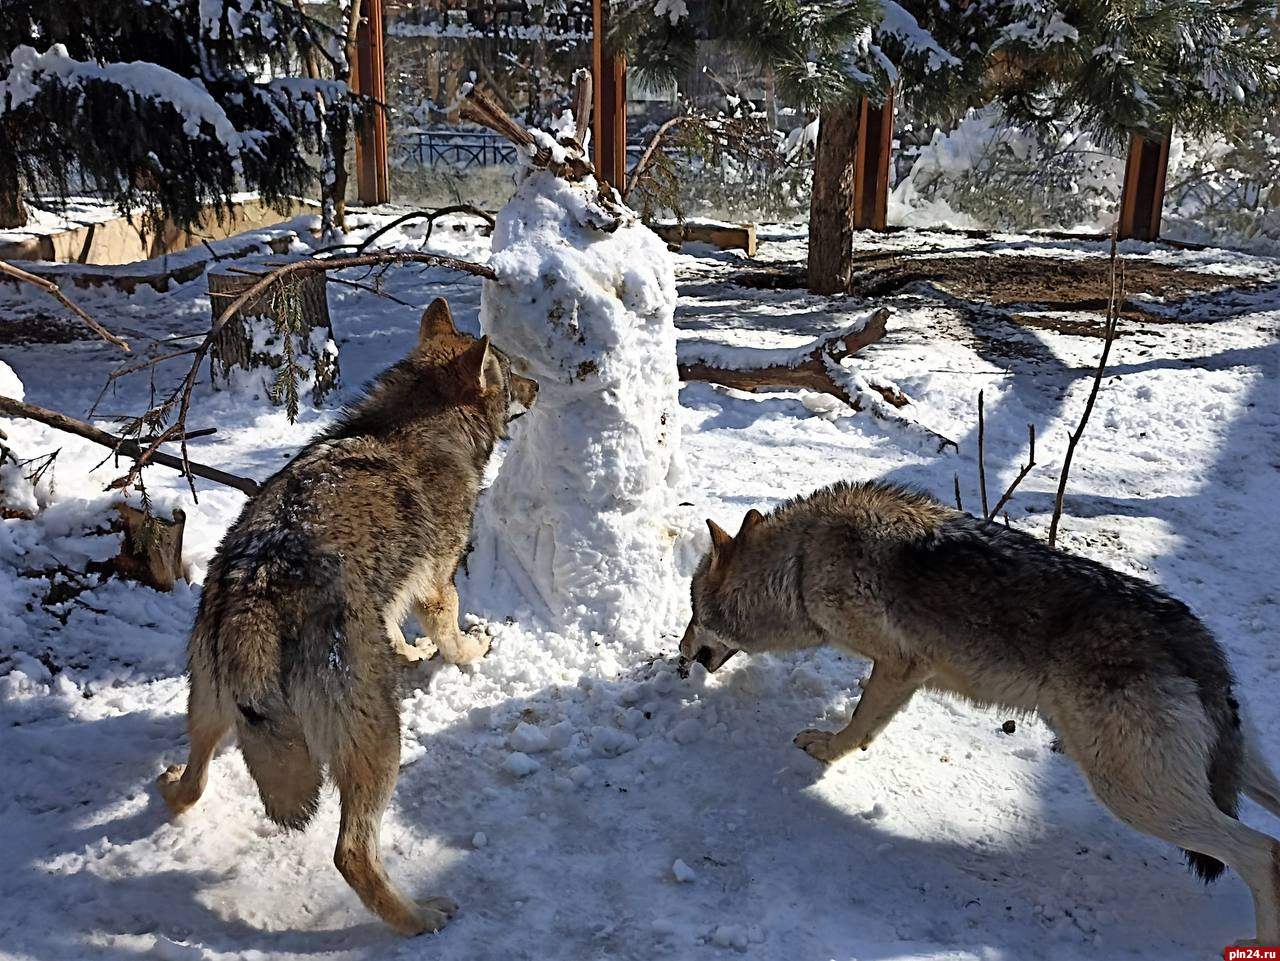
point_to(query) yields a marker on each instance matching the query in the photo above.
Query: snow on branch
(138, 80)
(899, 23)
(817, 366)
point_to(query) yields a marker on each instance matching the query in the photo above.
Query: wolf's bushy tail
(288, 776)
(1260, 782)
(1227, 776)
(291, 705)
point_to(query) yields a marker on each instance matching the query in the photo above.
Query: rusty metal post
(1142, 199)
(609, 113)
(873, 155)
(373, 168)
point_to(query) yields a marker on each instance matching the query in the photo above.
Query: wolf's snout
(700, 647)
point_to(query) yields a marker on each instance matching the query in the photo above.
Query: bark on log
(831, 204)
(813, 371)
(151, 549)
(123, 446)
(254, 339)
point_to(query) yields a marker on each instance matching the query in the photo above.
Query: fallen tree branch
(1114, 303)
(810, 367)
(51, 288)
(479, 107)
(122, 445)
(430, 215)
(643, 163)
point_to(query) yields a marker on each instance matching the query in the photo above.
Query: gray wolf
(1138, 691)
(297, 641)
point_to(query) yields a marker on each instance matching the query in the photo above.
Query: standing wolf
(1137, 689)
(296, 640)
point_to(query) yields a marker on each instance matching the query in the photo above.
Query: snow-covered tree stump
(281, 342)
(579, 520)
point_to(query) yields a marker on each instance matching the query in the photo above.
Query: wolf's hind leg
(422, 651)
(208, 721)
(890, 687)
(439, 617)
(365, 772)
(1150, 769)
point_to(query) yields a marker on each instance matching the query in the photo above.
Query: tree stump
(151, 550)
(281, 342)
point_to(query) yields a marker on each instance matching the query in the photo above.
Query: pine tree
(166, 105)
(1113, 66)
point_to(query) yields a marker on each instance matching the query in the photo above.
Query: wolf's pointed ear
(436, 320)
(479, 365)
(753, 518)
(720, 539)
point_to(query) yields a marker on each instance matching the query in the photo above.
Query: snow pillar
(580, 518)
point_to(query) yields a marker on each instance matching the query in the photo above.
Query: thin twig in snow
(982, 457)
(1114, 301)
(1013, 486)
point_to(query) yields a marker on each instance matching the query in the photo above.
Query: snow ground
(552, 788)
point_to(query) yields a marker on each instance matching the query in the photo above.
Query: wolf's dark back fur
(1081, 598)
(291, 611)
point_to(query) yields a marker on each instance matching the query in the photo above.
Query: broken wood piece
(151, 549)
(811, 367)
(582, 106)
(722, 235)
(17, 273)
(568, 162)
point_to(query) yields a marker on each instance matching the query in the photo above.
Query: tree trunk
(13, 212)
(341, 172)
(831, 203)
(342, 128)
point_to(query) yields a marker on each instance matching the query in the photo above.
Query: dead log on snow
(124, 446)
(815, 368)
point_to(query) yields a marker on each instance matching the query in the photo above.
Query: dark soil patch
(41, 328)
(1015, 284)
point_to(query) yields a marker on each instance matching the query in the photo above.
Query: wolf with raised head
(297, 642)
(1139, 692)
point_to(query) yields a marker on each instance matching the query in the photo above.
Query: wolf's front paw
(422, 649)
(435, 913)
(169, 784)
(468, 647)
(818, 744)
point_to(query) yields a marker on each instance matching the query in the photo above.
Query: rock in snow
(682, 872)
